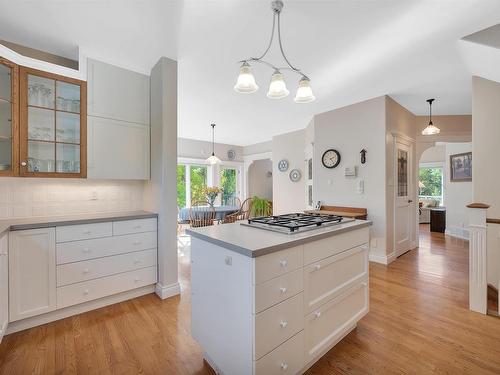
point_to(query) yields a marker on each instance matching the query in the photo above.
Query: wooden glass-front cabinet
(53, 125)
(9, 111)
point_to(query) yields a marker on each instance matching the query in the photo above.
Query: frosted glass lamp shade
(277, 87)
(431, 129)
(246, 81)
(304, 92)
(213, 160)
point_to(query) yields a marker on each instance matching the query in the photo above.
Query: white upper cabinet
(117, 93)
(117, 150)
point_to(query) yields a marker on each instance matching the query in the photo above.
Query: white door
(403, 207)
(32, 272)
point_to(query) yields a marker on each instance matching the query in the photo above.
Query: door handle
(410, 201)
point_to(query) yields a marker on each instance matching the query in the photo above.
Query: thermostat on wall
(350, 171)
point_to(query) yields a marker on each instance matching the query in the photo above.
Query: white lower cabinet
(286, 359)
(4, 284)
(32, 272)
(54, 268)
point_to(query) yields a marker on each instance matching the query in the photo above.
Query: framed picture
(461, 167)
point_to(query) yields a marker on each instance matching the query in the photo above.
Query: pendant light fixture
(212, 159)
(430, 129)
(277, 87)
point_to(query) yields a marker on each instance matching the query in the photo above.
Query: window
(181, 185)
(402, 173)
(228, 183)
(431, 182)
(198, 177)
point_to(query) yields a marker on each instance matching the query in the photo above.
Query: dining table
(220, 212)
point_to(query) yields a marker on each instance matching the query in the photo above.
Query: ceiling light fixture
(430, 129)
(277, 88)
(212, 159)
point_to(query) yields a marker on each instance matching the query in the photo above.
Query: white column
(478, 289)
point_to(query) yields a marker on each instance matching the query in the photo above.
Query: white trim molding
(166, 291)
(478, 289)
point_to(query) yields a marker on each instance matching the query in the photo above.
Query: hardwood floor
(419, 323)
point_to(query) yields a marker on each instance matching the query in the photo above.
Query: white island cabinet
(4, 283)
(268, 303)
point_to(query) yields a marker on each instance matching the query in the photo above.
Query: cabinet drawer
(134, 226)
(89, 290)
(83, 231)
(317, 250)
(327, 325)
(277, 324)
(89, 249)
(329, 277)
(276, 264)
(278, 289)
(287, 358)
(71, 273)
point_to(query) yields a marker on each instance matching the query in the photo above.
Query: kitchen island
(274, 303)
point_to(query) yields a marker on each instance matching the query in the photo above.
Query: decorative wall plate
(231, 154)
(295, 175)
(283, 165)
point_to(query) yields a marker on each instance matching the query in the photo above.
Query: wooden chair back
(246, 208)
(201, 214)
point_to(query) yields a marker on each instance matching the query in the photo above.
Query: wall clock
(231, 154)
(283, 165)
(331, 158)
(295, 175)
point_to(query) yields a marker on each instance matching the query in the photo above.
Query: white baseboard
(34, 321)
(457, 232)
(3, 330)
(382, 259)
(166, 291)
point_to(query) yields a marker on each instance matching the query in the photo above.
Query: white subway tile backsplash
(26, 197)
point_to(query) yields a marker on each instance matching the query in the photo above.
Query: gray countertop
(52, 221)
(254, 242)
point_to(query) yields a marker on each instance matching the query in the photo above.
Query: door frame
(412, 178)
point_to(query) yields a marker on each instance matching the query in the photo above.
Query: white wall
(288, 196)
(30, 197)
(457, 195)
(435, 154)
(485, 176)
(260, 179)
(192, 148)
(258, 148)
(349, 130)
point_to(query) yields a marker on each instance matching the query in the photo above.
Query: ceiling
(351, 50)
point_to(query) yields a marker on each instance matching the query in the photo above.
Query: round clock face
(231, 154)
(331, 158)
(295, 175)
(283, 165)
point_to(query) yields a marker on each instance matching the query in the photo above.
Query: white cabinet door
(117, 149)
(117, 93)
(32, 272)
(4, 284)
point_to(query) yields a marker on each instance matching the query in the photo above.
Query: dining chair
(233, 201)
(201, 214)
(246, 208)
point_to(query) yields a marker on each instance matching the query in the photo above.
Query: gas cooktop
(295, 223)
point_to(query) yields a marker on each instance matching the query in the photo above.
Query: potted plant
(211, 192)
(261, 207)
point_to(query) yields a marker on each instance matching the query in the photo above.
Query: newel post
(478, 289)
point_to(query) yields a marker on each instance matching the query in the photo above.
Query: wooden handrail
(490, 220)
(478, 205)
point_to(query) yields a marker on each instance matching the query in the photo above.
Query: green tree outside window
(431, 182)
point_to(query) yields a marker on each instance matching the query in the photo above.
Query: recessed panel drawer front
(89, 249)
(287, 358)
(317, 250)
(277, 324)
(83, 231)
(326, 325)
(326, 279)
(71, 273)
(275, 264)
(134, 226)
(89, 290)
(278, 289)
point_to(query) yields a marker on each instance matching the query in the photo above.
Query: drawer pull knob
(283, 323)
(283, 263)
(284, 366)
(86, 270)
(317, 314)
(283, 290)
(86, 250)
(87, 231)
(317, 267)
(138, 227)
(85, 292)
(137, 243)
(137, 261)
(137, 279)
